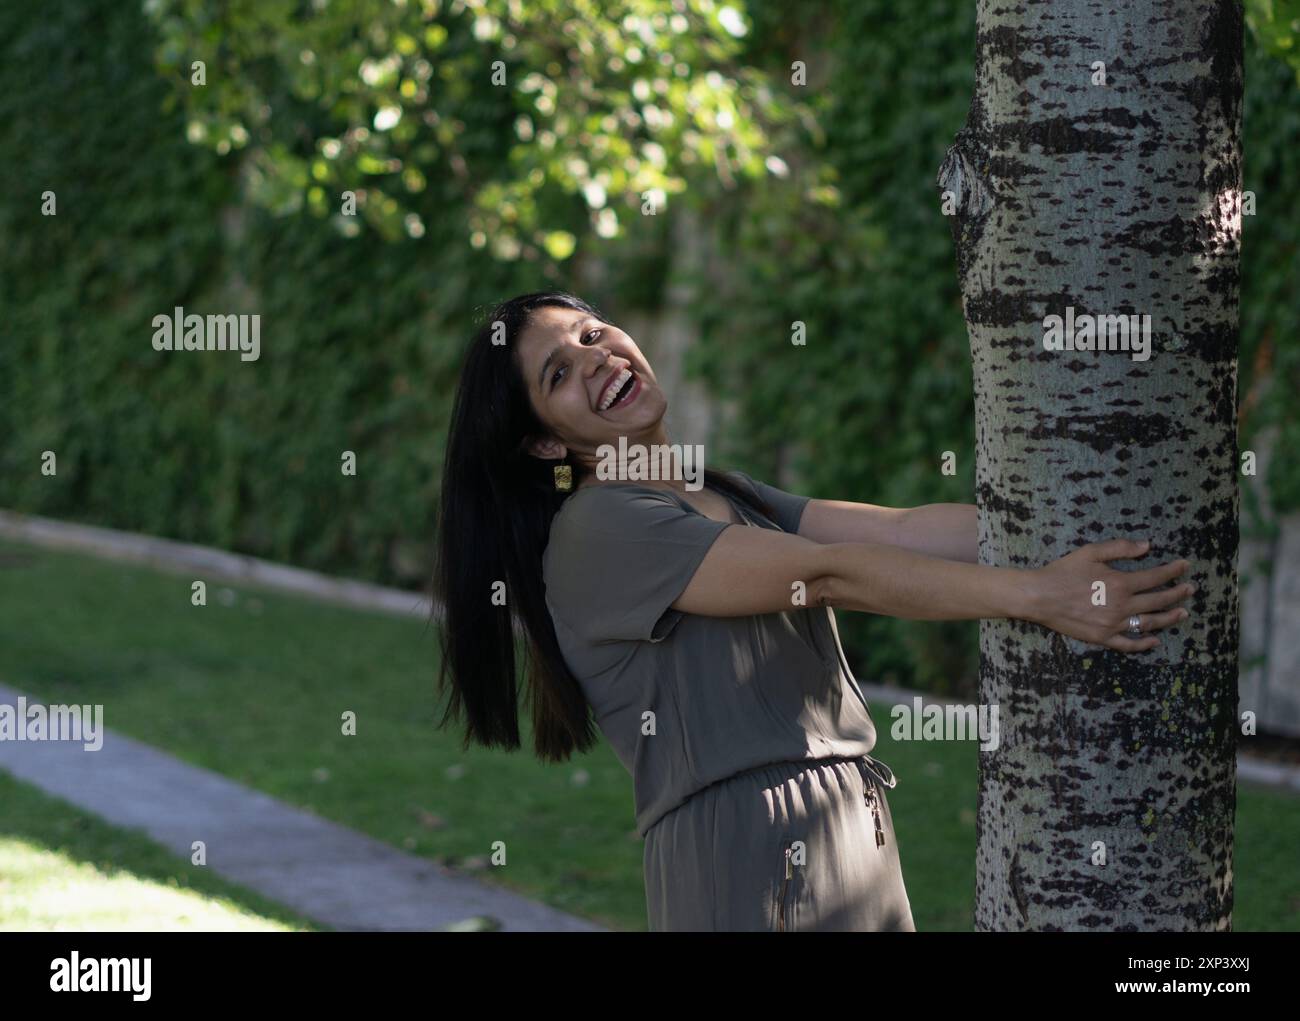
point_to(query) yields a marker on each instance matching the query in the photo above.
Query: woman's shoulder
(609, 506)
(600, 517)
(618, 555)
(594, 503)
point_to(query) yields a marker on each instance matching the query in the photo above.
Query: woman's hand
(1063, 596)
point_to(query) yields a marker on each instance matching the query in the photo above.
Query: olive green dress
(747, 738)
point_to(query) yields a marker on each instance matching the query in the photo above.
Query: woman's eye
(586, 337)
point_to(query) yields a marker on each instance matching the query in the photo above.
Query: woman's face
(572, 363)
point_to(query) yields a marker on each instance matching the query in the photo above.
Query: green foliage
(1269, 375)
(1276, 26)
(515, 108)
(361, 335)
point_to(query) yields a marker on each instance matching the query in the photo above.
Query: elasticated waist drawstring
(868, 765)
(876, 767)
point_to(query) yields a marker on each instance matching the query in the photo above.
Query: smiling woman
(699, 634)
(745, 719)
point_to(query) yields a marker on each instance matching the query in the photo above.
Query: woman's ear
(548, 449)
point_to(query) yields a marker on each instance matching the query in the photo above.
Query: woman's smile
(620, 390)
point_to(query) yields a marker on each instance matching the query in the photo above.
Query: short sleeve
(618, 556)
(788, 507)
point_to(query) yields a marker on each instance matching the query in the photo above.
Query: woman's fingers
(1153, 577)
(1122, 643)
(1150, 602)
(1151, 622)
(1136, 592)
(1116, 549)
(1159, 621)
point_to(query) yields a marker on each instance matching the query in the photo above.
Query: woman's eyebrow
(575, 328)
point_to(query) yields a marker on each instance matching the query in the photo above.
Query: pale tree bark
(1120, 198)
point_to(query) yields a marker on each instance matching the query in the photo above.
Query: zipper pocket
(785, 886)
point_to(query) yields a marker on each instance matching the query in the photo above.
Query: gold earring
(563, 477)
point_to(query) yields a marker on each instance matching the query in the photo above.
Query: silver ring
(1135, 625)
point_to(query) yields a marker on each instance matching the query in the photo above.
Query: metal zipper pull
(875, 814)
(789, 874)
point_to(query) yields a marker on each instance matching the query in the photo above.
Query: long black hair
(493, 524)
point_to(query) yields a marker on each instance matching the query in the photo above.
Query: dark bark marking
(1017, 891)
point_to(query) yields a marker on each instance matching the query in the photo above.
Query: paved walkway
(325, 871)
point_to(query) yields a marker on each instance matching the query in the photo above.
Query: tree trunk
(1110, 799)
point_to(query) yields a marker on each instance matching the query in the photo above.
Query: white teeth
(612, 390)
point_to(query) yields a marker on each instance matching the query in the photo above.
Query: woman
(696, 625)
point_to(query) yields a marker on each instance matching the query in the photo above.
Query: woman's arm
(751, 571)
(947, 530)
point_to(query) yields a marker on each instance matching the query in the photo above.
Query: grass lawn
(64, 870)
(254, 686)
